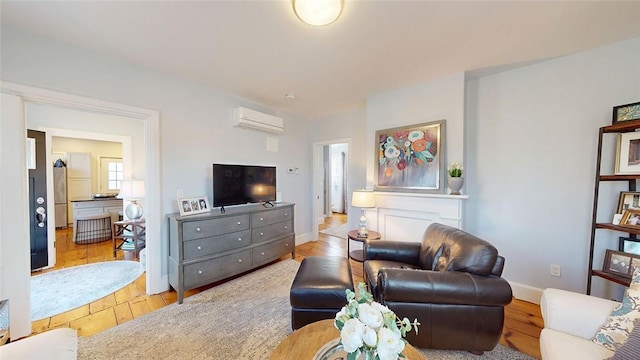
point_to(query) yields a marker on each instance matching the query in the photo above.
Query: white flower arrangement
(370, 328)
(455, 169)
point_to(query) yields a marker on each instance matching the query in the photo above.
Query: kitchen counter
(94, 206)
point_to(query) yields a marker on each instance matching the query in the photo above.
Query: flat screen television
(243, 184)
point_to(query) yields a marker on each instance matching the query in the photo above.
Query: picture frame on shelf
(616, 219)
(627, 112)
(620, 263)
(191, 206)
(628, 200)
(631, 218)
(628, 154)
(411, 158)
(629, 245)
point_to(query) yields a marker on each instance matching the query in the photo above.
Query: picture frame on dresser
(411, 158)
(191, 206)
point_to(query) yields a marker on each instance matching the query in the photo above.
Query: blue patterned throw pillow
(630, 350)
(620, 323)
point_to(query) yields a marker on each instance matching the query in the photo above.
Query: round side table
(358, 255)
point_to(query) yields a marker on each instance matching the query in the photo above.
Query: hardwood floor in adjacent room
(523, 321)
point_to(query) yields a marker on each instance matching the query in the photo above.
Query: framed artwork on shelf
(620, 263)
(628, 200)
(410, 158)
(631, 218)
(628, 154)
(629, 245)
(190, 206)
(626, 113)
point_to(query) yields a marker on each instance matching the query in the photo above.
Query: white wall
(531, 161)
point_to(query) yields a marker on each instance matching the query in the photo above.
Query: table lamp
(132, 190)
(363, 199)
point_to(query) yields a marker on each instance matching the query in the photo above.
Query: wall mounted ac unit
(251, 119)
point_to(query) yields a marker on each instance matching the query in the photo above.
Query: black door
(38, 202)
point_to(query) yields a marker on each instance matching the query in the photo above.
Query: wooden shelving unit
(627, 126)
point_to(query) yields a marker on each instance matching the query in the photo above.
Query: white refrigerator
(60, 196)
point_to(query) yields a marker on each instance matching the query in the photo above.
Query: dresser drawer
(203, 228)
(216, 244)
(272, 231)
(273, 250)
(208, 271)
(271, 217)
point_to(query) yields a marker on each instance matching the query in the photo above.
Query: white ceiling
(259, 50)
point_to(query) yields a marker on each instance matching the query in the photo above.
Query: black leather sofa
(450, 281)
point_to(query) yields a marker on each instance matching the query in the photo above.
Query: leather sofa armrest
(442, 287)
(574, 313)
(399, 251)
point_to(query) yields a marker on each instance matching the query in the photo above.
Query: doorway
(14, 99)
(331, 188)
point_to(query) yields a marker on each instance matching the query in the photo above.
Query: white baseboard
(526, 292)
(301, 239)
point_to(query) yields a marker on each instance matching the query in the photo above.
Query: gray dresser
(210, 247)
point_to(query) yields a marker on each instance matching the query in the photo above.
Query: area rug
(242, 319)
(337, 231)
(62, 290)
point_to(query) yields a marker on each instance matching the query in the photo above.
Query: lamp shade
(363, 199)
(131, 189)
(318, 12)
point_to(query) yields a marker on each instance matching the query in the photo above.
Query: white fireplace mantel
(405, 216)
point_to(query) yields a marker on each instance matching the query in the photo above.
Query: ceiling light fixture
(318, 12)
(290, 96)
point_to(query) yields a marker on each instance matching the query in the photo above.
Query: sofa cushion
(620, 323)
(560, 345)
(631, 348)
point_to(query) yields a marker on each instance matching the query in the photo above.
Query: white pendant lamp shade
(318, 12)
(132, 190)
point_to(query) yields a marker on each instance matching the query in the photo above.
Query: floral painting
(410, 158)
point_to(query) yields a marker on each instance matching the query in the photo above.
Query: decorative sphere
(133, 211)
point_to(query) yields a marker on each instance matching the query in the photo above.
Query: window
(111, 174)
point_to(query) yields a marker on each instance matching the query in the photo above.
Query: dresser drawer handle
(199, 271)
(261, 219)
(261, 234)
(239, 239)
(238, 223)
(286, 245)
(262, 253)
(198, 229)
(199, 248)
(239, 260)
(286, 227)
(285, 214)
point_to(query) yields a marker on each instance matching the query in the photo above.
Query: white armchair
(570, 321)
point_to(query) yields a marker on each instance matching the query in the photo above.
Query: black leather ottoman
(318, 290)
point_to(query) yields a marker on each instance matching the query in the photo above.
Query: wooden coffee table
(306, 341)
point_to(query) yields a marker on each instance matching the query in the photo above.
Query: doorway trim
(156, 281)
(318, 177)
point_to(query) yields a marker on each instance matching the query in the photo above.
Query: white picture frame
(628, 154)
(195, 205)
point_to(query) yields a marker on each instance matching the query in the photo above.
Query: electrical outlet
(180, 193)
(555, 270)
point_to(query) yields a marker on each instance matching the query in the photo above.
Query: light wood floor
(523, 321)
